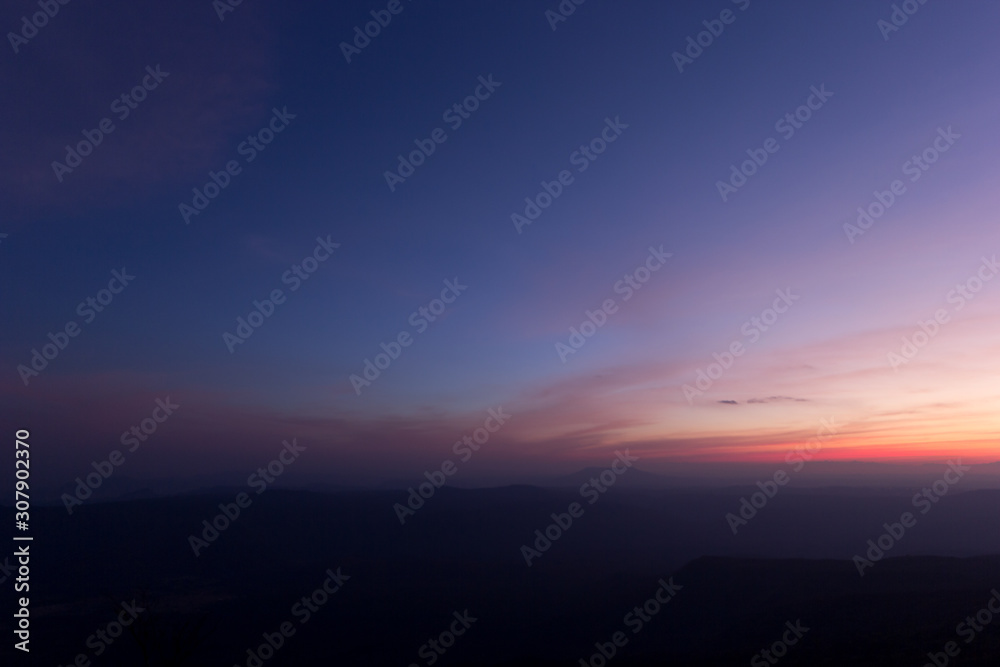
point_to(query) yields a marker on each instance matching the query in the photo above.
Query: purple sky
(853, 297)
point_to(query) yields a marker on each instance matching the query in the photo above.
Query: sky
(695, 199)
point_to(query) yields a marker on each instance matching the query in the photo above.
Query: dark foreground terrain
(785, 583)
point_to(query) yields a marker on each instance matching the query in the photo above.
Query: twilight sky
(646, 156)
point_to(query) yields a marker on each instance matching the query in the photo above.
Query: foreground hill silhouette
(462, 551)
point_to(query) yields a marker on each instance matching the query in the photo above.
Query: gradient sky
(825, 358)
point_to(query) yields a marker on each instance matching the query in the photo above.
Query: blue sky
(323, 176)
